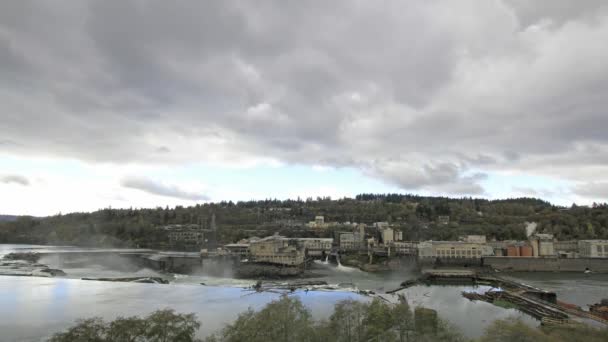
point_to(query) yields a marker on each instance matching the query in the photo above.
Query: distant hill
(419, 218)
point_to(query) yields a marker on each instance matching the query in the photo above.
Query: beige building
(277, 250)
(388, 235)
(240, 249)
(542, 245)
(453, 250)
(316, 246)
(593, 248)
(348, 242)
(568, 246)
(403, 248)
(319, 222)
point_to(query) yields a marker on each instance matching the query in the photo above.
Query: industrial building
(240, 249)
(403, 248)
(277, 250)
(316, 246)
(453, 250)
(347, 241)
(542, 245)
(593, 248)
(188, 234)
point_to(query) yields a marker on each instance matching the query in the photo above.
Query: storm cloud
(424, 95)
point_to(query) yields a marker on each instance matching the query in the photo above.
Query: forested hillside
(418, 217)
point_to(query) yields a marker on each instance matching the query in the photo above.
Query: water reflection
(33, 308)
(471, 317)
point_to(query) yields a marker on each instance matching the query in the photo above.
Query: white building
(593, 248)
(453, 250)
(319, 222)
(388, 236)
(316, 246)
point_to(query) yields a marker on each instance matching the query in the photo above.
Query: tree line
(287, 319)
(418, 217)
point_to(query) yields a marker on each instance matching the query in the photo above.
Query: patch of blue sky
(499, 185)
(282, 181)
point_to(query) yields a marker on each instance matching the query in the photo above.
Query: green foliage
(347, 321)
(282, 320)
(352, 321)
(515, 330)
(415, 216)
(286, 319)
(160, 326)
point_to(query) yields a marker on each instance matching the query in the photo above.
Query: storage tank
(525, 251)
(513, 251)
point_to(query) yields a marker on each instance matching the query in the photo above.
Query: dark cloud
(161, 189)
(421, 94)
(441, 178)
(558, 11)
(14, 179)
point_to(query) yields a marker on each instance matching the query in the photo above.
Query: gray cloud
(161, 189)
(421, 94)
(596, 190)
(14, 179)
(441, 178)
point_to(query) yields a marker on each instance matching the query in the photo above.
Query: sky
(152, 103)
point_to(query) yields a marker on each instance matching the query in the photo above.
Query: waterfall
(343, 268)
(326, 259)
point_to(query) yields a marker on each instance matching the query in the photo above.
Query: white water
(345, 268)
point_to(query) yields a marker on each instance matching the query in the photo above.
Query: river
(32, 308)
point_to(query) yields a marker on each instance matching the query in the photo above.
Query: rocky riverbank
(378, 265)
(26, 264)
(144, 280)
